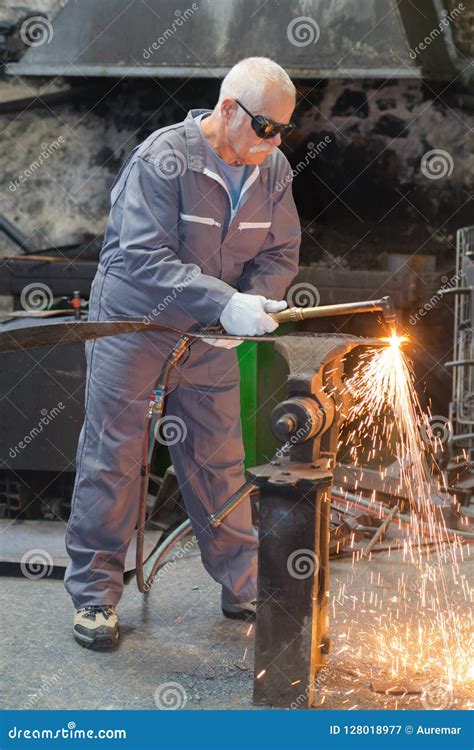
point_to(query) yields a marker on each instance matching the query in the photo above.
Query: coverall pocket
(127, 363)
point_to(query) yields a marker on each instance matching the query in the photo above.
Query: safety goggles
(266, 128)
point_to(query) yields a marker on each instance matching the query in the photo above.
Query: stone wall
(463, 26)
(357, 154)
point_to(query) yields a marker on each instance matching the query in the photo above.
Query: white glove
(273, 305)
(225, 343)
(246, 314)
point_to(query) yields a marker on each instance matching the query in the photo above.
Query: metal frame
(461, 410)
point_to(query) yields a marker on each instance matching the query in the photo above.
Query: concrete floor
(176, 634)
(177, 649)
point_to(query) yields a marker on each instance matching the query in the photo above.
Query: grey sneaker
(240, 611)
(97, 627)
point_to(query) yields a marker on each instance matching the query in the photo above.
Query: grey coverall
(172, 254)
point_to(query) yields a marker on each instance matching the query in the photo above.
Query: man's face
(242, 139)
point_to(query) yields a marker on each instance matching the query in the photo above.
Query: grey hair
(248, 79)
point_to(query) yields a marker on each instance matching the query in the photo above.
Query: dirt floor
(177, 650)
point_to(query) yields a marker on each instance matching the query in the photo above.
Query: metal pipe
(15, 234)
(349, 498)
(159, 554)
(216, 519)
(380, 531)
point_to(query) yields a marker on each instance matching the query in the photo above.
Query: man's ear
(228, 107)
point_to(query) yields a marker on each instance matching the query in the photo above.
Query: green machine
(263, 374)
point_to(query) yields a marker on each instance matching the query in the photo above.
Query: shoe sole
(98, 643)
(245, 615)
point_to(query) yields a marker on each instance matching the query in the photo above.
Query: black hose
(175, 355)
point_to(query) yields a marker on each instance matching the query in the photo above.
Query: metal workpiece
(55, 334)
(292, 624)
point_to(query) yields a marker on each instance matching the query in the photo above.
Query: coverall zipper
(248, 182)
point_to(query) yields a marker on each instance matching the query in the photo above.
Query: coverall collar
(196, 148)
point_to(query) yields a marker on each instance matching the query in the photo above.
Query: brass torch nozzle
(383, 305)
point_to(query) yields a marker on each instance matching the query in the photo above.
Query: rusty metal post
(289, 640)
(292, 633)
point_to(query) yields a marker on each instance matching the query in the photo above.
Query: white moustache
(256, 149)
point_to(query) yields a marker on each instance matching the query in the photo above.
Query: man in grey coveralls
(202, 228)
